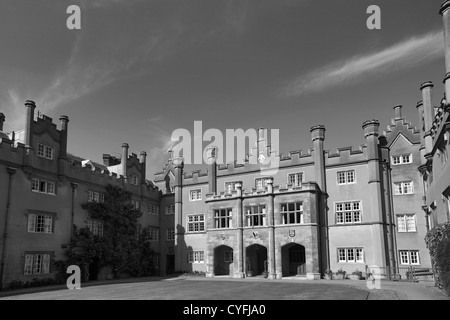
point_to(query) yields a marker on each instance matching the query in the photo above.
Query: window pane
(401, 223)
(411, 223)
(341, 253)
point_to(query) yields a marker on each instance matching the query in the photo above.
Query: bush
(443, 264)
(435, 240)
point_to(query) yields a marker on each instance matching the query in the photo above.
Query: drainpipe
(72, 211)
(10, 171)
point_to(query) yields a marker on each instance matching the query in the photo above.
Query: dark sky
(138, 70)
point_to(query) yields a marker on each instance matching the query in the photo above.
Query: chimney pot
(398, 111)
(2, 120)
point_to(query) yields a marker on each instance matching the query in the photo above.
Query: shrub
(329, 273)
(433, 239)
(443, 264)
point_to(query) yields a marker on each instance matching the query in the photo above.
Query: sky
(139, 69)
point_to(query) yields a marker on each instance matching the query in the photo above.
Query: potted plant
(328, 274)
(265, 274)
(356, 275)
(340, 274)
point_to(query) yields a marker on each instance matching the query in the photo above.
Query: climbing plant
(122, 246)
(437, 241)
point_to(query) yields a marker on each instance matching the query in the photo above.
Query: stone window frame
(193, 222)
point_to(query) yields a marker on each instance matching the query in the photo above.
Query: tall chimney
(211, 154)
(428, 114)
(123, 162)
(398, 112)
(318, 136)
(143, 161)
(64, 126)
(30, 105)
(2, 120)
(445, 12)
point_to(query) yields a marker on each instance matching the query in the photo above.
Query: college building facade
(344, 209)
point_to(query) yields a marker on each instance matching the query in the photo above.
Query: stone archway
(293, 259)
(223, 259)
(256, 259)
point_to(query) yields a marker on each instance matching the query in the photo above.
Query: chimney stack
(428, 114)
(123, 162)
(143, 161)
(2, 120)
(318, 136)
(64, 126)
(211, 155)
(398, 112)
(30, 105)
(445, 12)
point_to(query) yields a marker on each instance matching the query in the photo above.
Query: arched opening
(256, 260)
(293, 260)
(223, 259)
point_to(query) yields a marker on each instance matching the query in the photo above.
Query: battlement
(253, 192)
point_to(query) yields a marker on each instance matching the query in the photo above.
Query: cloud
(94, 64)
(405, 54)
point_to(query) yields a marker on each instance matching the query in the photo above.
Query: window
(37, 263)
(170, 235)
(153, 234)
(196, 257)
(348, 212)
(153, 209)
(40, 223)
(406, 223)
(223, 218)
(96, 227)
(261, 184)
(96, 197)
(134, 179)
(228, 256)
(196, 223)
(409, 257)
(295, 179)
(135, 204)
(351, 255)
(195, 195)
(42, 186)
(346, 177)
(45, 151)
(292, 212)
(170, 209)
(401, 188)
(230, 186)
(401, 159)
(255, 216)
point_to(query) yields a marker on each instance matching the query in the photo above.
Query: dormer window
(45, 151)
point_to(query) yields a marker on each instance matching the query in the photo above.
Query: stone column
(239, 251)
(178, 164)
(271, 225)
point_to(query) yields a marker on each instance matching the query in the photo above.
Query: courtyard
(197, 288)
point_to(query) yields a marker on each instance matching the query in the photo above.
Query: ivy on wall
(122, 247)
(438, 243)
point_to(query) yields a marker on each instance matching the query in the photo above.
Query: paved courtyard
(231, 289)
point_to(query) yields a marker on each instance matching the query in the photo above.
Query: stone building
(321, 210)
(345, 209)
(42, 189)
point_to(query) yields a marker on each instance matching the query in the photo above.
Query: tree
(122, 246)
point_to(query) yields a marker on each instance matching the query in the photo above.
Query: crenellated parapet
(253, 192)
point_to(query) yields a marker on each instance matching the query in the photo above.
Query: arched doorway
(293, 259)
(223, 258)
(256, 259)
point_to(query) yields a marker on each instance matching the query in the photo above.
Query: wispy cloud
(89, 70)
(405, 54)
